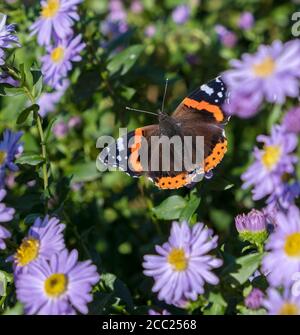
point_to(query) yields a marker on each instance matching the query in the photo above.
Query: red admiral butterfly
(199, 114)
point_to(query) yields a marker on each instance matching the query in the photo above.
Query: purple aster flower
(136, 6)
(58, 62)
(255, 221)
(150, 30)
(60, 129)
(75, 122)
(115, 23)
(10, 147)
(56, 20)
(246, 21)
(7, 37)
(284, 195)
(270, 215)
(44, 239)
(242, 104)
(283, 259)
(59, 286)
(117, 11)
(271, 162)
(252, 227)
(48, 101)
(254, 299)
(226, 36)
(272, 73)
(6, 214)
(182, 265)
(181, 14)
(154, 312)
(291, 120)
(281, 304)
(6, 79)
(113, 29)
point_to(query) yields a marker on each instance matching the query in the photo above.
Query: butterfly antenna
(140, 110)
(165, 93)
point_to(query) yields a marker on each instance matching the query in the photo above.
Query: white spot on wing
(120, 144)
(220, 94)
(208, 90)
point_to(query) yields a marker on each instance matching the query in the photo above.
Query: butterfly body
(168, 126)
(199, 115)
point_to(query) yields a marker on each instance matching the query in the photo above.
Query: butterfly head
(168, 125)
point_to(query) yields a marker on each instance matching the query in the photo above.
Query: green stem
(38, 119)
(42, 137)
(44, 152)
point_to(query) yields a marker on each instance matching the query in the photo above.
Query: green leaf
(5, 278)
(10, 91)
(125, 60)
(22, 73)
(127, 92)
(118, 287)
(30, 159)
(101, 303)
(37, 87)
(247, 266)
(84, 172)
(274, 116)
(245, 311)
(49, 129)
(190, 208)
(170, 208)
(26, 75)
(217, 304)
(16, 310)
(108, 279)
(25, 113)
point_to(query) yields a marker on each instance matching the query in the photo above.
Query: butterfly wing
(201, 114)
(125, 152)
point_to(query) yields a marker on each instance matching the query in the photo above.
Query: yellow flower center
(178, 259)
(292, 245)
(3, 156)
(57, 54)
(265, 68)
(271, 156)
(289, 309)
(51, 8)
(55, 285)
(27, 251)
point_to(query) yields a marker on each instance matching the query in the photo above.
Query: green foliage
(247, 265)
(171, 208)
(124, 60)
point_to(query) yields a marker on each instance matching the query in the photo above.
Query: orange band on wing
(216, 156)
(173, 182)
(135, 147)
(214, 109)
